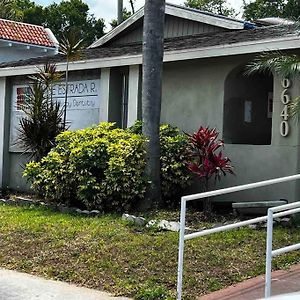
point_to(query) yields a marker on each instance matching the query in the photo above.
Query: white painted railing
(282, 210)
(185, 199)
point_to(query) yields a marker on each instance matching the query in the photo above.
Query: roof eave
(28, 44)
(284, 43)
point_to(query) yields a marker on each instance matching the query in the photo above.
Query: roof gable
(175, 11)
(25, 33)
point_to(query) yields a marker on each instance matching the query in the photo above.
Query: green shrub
(99, 167)
(175, 176)
(103, 168)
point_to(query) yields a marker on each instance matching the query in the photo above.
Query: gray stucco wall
(14, 161)
(193, 95)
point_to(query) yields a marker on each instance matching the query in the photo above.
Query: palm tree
(285, 65)
(70, 46)
(153, 36)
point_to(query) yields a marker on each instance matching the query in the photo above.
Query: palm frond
(294, 108)
(46, 75)
(275, 62)
(43, 119)
(71, 45)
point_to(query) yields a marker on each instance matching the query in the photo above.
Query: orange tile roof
(24, 33)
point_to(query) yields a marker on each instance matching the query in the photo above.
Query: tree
(70, 46)
(219, 7)
(272, 8)
(73, 15)
(62, 17)
(153, 49)
(6, 10)
(43, 118)
(263, 9)
(126, 15)
(292, 10)
(27, 11)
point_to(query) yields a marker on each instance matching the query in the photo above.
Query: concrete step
(256, 207)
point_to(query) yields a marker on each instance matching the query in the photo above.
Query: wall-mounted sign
(82, 95)
(83, 105)
(285, 100)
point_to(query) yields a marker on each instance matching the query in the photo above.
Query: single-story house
(20, 41)
(203, 84)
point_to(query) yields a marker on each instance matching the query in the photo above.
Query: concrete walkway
(283, 282)
(20, 286)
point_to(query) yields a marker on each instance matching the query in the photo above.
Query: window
(248, 104)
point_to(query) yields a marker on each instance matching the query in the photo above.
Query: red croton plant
(206, 158)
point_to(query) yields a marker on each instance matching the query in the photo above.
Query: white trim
(284, 43)
(176, 11)
(133, 94)
(104, 95)
(76, 66)
(198, 16)
(117, 30)
(16, 43)
(3, 104)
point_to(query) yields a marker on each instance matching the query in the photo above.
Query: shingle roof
(179, 43)
(24, 33)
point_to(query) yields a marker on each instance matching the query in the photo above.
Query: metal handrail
(185, 199)
(287, 209)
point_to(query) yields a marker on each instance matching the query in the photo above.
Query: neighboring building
(203, 84)
(21, 41)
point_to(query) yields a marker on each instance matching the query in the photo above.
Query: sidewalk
(287, 281)
(21, 286)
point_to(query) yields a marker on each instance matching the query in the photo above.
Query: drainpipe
(120, 11)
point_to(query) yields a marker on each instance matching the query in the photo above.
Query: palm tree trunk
(120, 11)
(153, 37)
(66, 94)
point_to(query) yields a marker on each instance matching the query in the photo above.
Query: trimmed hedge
(175, 176)
(102, 168)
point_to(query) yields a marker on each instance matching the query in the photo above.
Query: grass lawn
(109, 254)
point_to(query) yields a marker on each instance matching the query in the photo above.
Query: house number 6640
(285, 99)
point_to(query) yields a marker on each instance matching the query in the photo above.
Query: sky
(107, 9)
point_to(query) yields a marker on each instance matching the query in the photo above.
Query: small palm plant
(70, 46)
(279, 63)
(43, 117)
